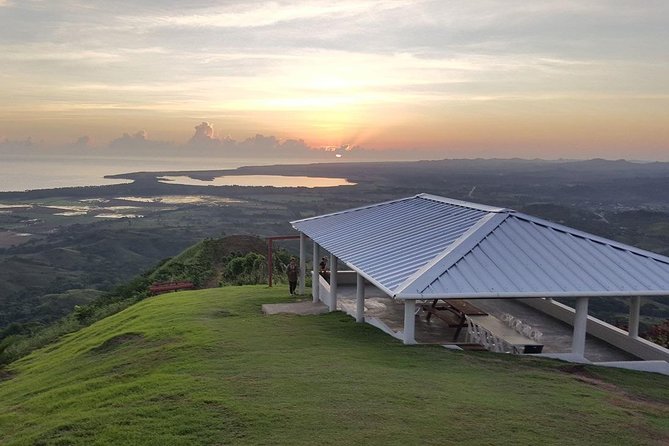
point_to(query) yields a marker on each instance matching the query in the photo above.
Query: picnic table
(449, 307)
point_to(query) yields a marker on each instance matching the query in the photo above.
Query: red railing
(164, 287)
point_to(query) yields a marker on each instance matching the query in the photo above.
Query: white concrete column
(333, 283)
(580, 326)
(635, 310)
(315, 284)
(409, 322)
(303, 263)
(360, 299)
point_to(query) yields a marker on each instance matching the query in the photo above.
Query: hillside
(77, 259)
(205, 263)
(205, 367)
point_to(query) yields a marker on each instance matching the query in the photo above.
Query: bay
(19, 173)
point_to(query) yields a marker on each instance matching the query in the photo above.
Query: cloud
(139, 144)
(270, 146)
(204, 134)
(138, 137)
(263, 14)
(204, 143)
(83, 141)
(16, 146)
(339, 151)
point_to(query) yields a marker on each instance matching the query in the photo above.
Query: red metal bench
(164, 287)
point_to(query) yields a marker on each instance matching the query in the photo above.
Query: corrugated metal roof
(391, 241)
(427, 246)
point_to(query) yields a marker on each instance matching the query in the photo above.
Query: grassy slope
(205, 367)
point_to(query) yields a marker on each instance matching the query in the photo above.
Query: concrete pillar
(315, 284)
(633, 323)
(333, 283)
(580, 326)
(303, 263)
(360, 299)
(409, 322)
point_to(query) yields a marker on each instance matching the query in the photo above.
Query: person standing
(292, 272)
(324, 269)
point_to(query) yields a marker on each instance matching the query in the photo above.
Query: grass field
(205, 367)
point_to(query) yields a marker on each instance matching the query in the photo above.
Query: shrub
(659, 334)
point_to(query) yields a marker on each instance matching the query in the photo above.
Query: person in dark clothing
(291, 272)
(324, 269)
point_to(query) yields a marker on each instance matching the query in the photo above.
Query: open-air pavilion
(429, 253)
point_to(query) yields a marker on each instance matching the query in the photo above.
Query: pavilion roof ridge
(454, 252)
(465, 204)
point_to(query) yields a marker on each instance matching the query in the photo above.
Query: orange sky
(546, 79)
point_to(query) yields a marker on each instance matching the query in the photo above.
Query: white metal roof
(426, 246)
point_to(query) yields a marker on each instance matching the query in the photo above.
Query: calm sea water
(23, 173)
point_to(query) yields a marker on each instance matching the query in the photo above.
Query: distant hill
(206, 367)
(75, 260)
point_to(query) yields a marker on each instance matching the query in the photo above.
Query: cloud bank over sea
(206, 141)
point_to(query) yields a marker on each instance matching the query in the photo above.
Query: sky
(457, 79)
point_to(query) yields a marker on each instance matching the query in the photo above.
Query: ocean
(19, 173)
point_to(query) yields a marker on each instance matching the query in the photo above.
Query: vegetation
(659, 334)
(205, 367)
(73, 261)
(207, 261)
(232, 260)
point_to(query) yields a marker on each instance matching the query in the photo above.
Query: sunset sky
(474, 78)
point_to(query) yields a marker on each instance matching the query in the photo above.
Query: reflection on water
(83, 209)
(119, 216)
(71, 213)
(258, 180)
(15, 206)
(183, 199)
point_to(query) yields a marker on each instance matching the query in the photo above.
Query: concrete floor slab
(556, 334)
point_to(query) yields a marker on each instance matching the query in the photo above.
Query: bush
(249, 269)
(659, 334)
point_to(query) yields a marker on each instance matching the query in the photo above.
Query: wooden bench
(165, 287)
(452, 307)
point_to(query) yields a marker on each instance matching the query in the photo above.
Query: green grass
(205, 367)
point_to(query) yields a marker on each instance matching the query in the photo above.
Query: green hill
(206, 367)
(205, 263)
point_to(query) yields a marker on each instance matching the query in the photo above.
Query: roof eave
(532, 295)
